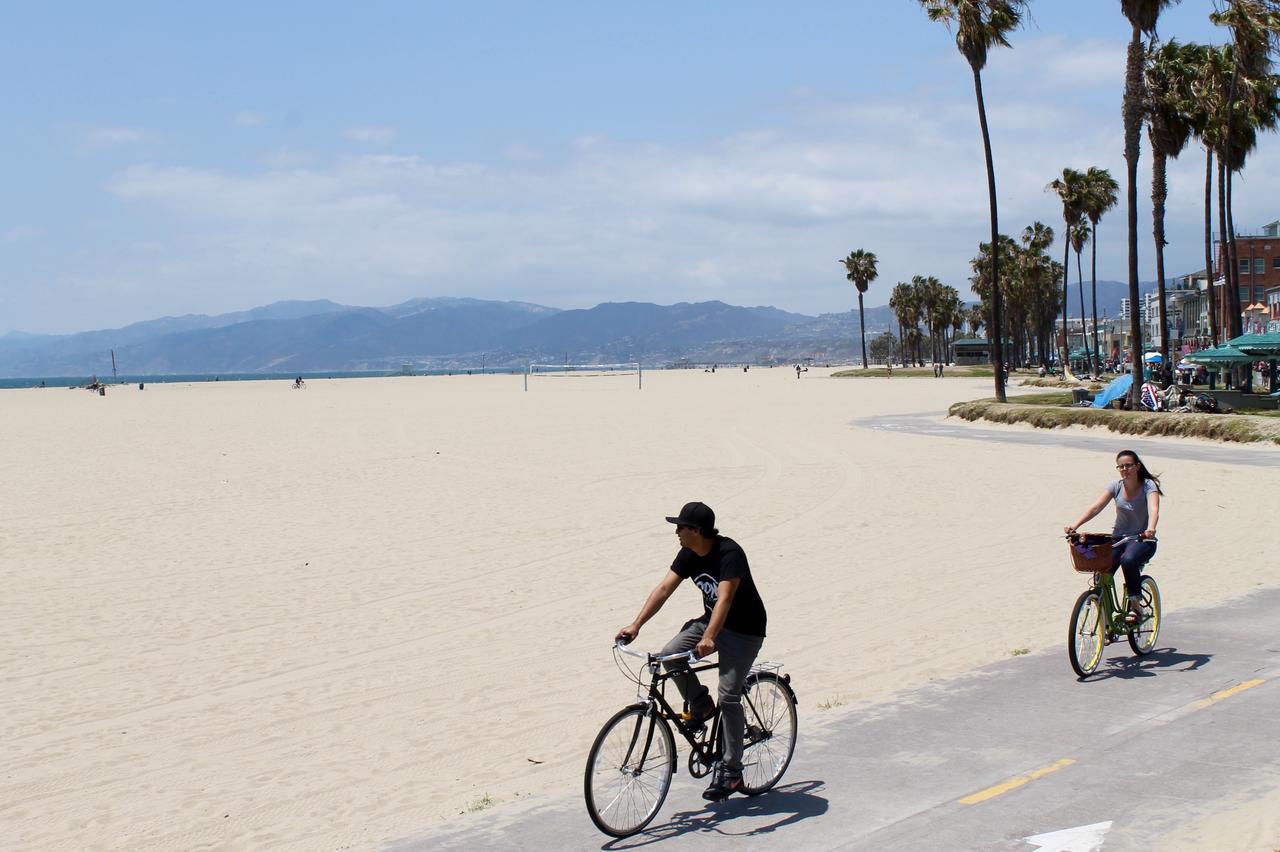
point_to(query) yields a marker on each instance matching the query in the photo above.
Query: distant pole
(114, 378)
(639, 376)
(526, 377)
(482, 363)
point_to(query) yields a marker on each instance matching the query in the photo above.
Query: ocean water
(81, 381)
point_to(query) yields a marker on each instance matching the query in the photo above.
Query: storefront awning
(1257, 345)
(1219, 355)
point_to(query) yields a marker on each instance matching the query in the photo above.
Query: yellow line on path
(1015, 782)
(1226, 693)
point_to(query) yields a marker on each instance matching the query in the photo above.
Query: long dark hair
(1143, 473)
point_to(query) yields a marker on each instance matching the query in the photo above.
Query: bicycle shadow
(791, 802)
(1161, 659)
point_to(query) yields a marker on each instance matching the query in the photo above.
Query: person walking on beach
(1137, 495)
(732, 624)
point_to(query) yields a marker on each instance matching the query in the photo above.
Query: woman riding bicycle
(1137, 495)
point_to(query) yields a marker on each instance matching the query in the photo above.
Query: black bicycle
(633, 759)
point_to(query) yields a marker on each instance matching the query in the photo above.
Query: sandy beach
(236, 615)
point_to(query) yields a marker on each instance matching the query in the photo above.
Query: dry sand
(239, 615)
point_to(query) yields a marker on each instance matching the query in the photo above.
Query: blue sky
(167, 159)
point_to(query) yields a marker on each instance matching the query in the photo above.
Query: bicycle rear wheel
(770, 708)
(629, 771)
(1142, 638)
(1086, 635)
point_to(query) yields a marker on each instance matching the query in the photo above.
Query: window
(1259, 265)
(1275, 263)
(1244, 266)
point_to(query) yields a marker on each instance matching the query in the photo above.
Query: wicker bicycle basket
(1090, 552)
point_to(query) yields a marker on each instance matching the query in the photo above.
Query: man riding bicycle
(732, 624)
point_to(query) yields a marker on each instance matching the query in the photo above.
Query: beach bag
(1090, 552)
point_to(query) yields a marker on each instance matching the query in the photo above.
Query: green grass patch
(1239, 428)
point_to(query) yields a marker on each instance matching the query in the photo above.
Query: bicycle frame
(1113, 614)
(657, 706)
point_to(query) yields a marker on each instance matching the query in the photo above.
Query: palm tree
(1255, 32)
(903, 303)
(1077, 237)
(1142, 16)
(1169, 77)
(1212, 80)
(980, 26)
(1100, 195)
(976, 318)
(861, 266)
(1070, 188)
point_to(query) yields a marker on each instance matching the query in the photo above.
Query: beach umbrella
(1118, 388)
(1153, 357)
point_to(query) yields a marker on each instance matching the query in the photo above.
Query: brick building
(1258, 258)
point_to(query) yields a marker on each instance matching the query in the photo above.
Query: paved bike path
(1017, 749)
(937, 424)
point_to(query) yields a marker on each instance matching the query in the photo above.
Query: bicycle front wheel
(629, 771)
(770, 709)
(1086, 635)
(1142, 638)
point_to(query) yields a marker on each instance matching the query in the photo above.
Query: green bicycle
(1098, 619)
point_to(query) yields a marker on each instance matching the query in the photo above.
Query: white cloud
(371, 135)
(521, 152)
(248, 119)
(755, 217)
(117, 136)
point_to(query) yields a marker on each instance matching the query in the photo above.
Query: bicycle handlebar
(656, 658)
(1115, 539)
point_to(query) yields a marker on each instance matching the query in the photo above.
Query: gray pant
(737, 652)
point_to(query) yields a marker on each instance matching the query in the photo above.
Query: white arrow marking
(1083, 838)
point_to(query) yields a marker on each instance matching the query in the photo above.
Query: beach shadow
(1161, 659)
(791, 803)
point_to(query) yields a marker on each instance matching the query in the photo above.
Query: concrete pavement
(1018, 749)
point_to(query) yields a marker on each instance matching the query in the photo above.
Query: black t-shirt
(726, 561)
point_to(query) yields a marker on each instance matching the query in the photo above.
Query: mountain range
(448, 333)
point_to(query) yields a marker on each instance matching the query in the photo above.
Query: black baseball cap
(696, 515)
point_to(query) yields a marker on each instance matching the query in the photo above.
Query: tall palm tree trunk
(862, 323)
(1228, 262)
(1093, 303)
(1066, 289)
(1234, 321)
(1208, 245)
(997, 325)
(1132, 147)
(1084, 332)
(1159, 192)
(1233, 298)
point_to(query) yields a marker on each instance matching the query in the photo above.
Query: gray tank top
(1131, 515)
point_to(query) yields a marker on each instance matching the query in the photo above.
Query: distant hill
(313, 336)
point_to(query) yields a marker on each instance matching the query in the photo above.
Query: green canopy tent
(1218, 356)
(1258, 346)
(1261, 347)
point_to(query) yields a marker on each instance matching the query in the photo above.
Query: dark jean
(1131, 557)
(737, 652)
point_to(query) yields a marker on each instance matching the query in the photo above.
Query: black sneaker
(699, 715)
(724, 783)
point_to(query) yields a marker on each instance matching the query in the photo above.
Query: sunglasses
(1125, 466)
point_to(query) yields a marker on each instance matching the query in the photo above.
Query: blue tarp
(1118, 388)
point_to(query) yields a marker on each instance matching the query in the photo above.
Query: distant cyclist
(1137, 496)
(732, 623)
